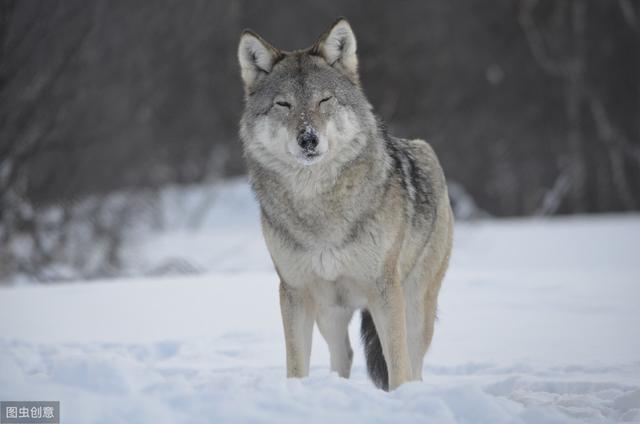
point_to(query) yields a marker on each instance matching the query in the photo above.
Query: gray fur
(362, 221)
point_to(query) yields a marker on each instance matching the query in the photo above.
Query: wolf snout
(308, 141)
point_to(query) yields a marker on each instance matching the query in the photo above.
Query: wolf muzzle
(307, 140)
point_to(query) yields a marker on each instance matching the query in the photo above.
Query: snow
(538, 323)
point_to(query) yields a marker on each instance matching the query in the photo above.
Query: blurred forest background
(532, 105)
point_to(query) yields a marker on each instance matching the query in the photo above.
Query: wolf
(354, 219)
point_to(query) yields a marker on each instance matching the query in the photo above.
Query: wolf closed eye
(284, 104)
(354, 218)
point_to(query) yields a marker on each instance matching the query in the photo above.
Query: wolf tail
(376, 365)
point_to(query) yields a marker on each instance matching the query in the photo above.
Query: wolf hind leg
(388, 312)
(333, 323)
(417, 343)
(420, 333)
(421, 320)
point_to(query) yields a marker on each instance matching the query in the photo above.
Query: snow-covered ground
(539, 321)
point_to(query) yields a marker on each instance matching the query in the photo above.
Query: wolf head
(303, 109)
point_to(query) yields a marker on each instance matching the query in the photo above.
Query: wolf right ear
(256, 57)
(338, 48)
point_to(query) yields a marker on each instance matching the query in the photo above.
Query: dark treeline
(533, 106)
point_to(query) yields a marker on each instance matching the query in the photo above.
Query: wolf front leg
(297, 317)
(388, 312)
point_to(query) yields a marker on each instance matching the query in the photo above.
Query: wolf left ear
(338, 47)
(256, 57)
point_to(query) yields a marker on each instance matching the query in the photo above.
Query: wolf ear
(338, 47)
(256, 57)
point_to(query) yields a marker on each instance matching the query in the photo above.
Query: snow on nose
(307, 139)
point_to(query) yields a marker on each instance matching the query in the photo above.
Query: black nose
(307, 140)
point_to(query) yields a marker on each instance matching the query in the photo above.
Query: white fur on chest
(356, 261)
(328, 263)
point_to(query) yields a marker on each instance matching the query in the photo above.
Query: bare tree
(34, 112)
(560, 49)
